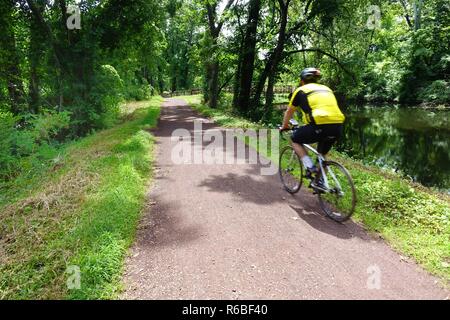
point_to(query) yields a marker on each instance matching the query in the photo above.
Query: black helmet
(310, 74)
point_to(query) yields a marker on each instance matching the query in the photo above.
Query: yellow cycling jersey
(321, 106)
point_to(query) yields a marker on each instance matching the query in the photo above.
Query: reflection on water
(413, 141)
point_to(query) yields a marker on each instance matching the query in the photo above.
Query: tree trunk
(36, 51)
(160, 80)
(271, 67)
(9, 64)
(213, 85)
(236, 83)
(262, 80)
(417, 13)
(61, 64)
(212, 69)
(173, 86)
(269, 97)
(237, 74)
(248, 57)
(33, 87)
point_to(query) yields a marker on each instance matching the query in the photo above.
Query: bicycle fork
(333, 176)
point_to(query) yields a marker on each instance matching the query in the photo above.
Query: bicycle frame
(329, 177)
(321, 159)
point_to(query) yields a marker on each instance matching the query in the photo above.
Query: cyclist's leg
(329, 135)
(305, 134)
(325, 146)
(299, 149)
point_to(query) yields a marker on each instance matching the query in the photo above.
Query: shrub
(105, 97)
(138, 90)
(47, 125)
(7, 131)
(438, 91)
(27, 144)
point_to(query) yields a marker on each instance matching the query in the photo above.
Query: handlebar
(293, 125)
(283, 132)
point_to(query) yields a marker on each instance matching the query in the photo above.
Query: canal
(412, 141)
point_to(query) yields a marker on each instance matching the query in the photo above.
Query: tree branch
(212, 17)
(45, 26)
(352, 75)
(227, 81)
(222, 20)
(407, 17)
(211, 12)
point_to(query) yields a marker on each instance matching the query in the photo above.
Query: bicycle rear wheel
(340, 200)
(290, 170)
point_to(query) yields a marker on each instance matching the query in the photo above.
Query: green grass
(82, 211)
(413, 219)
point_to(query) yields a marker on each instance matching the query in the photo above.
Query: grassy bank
(80, 213)
(413, 219)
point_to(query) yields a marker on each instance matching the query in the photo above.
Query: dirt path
(227, 232)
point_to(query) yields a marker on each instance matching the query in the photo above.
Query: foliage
(82, 211)
(58, 84)
(138, 91)
(106, 96)
(438, 91)
(180, 44)
(28, 145)
(428, 55)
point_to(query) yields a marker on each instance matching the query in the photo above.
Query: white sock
(307, 162)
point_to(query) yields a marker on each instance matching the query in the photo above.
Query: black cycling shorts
(325, 134)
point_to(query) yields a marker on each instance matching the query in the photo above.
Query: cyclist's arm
(296, 100)
(287, 116)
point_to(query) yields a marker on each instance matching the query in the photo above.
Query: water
(412, 141)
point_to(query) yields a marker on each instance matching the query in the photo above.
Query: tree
(247, 58)
(10, 64)
(215, 25)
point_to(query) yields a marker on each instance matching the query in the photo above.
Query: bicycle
(335, 189)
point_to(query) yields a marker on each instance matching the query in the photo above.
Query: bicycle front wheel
(340, 199)
(290, 170)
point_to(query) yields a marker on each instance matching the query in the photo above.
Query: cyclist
(321, 114)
